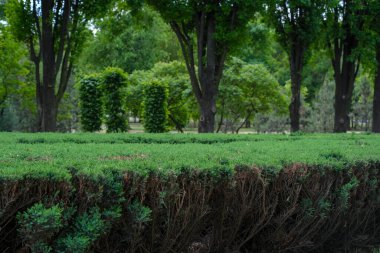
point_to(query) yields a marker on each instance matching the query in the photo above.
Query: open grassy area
(38, 155)
(189, 193)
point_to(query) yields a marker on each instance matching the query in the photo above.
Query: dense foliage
(247, 89)
(116, 118)
(91, 105)
(155, 107)
(174, 76)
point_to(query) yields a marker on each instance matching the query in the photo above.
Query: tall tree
(207, 31)
(54, 32)
(297, 23)
(345, 22)
(374, 8)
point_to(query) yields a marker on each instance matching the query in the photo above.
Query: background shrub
(114, 80)
(155, 107)
(90, 104)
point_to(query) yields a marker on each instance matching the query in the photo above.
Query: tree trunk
(48, 107)
(55, 47)
(207, 118)
(296, 59)
(342, 119)
(206, 70)
(344, 87)
(346, 67)
(376, 97)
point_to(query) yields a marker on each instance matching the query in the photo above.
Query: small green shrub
(140, 213)
(344, 192)
(41, 247)
(114, 80)
(90, 225)
(74, 244)
(155, 108)
(90, 96)
(87, 229)
(38, 225)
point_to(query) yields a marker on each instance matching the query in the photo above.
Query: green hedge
(258, 193)
(90, 104)
(114, 80)
(155, 108)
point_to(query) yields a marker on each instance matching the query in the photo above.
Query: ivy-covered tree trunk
(296, 59)
(376, 96)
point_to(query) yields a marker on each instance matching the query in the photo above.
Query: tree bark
(346, 67)
(49, 111)
(296, 59)
(376, 96)
(208, 111)
(344, 75)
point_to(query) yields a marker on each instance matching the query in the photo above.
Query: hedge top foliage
(52, 156)
(114, 78)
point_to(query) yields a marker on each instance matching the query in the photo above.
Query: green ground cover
(52, 155)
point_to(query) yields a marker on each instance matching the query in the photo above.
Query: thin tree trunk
(376, 96)
(296, 66)
(244, 122)
(178, 126)
(221, 118)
